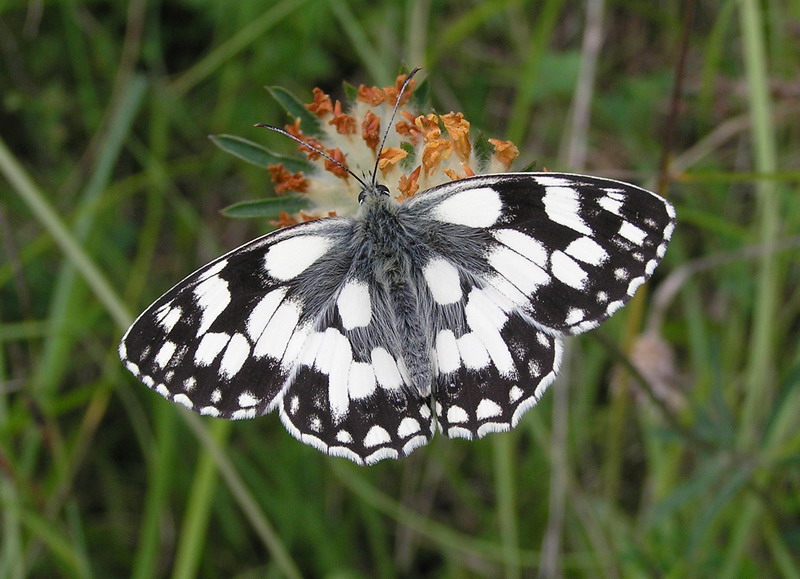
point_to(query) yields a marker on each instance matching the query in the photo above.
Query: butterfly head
(373, 191)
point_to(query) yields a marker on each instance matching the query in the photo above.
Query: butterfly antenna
(391, 120)
(313, 148)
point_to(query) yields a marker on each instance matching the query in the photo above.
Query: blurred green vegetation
(110, 192)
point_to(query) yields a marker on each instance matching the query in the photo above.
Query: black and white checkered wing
(279, 323)
(522, 259)
(220, 341)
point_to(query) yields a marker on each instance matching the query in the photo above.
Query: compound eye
(383, 189)
(361, 197)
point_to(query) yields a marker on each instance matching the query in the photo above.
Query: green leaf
(309, 123)
(350, 92)
(258, 155)
(421, 97)
(483, 152)
(409, 163)
(266, 208)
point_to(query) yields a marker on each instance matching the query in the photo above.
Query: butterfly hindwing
(492, 367)
(351, 394)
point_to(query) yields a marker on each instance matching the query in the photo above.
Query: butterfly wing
(279, 322)
(351, 395)
(569, 250)
(524, 258)
(492, 368)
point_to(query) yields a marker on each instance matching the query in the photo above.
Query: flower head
(420, 150)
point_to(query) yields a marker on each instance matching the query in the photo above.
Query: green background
(110, 192)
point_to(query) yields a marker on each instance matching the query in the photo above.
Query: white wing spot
(168, 316)
(567, 270)
(486, 319)
(552, 181)
(443, 280)
(216, 395)
(243, 414)
(447, 352)
(189, 384)
(344, 437)
(632, 233)
(517, 270)
(473, 352)
(386, 371)
(341, 360)
(610, 204)
(361, 381)
(289, 258)
(165, 353)
(587, 250)
(634, 285)
(236, 353)
(456, 414)
(212, 297)
(602, 297)
(183, 400)
(294, 349)
(279, 330)
(424, 411)
(488, 409)
(209, 348)
(523, 244)
(209, 411)
(247, 399)
(354, 305)
(479, 207)
(563, 207)
(376, 435)
(621, 274)
(574, 315)
(408, 426)
(262, 313)
(515, 394)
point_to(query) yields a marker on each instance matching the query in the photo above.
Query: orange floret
(285, 181)
(408, 185)
(371, 130)
(345, 124)
(390, 157)
(322, 104)
(505, 151)
(458, 129)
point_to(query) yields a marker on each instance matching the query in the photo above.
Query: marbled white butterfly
(368, 333)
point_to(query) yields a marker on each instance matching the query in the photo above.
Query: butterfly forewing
(218, 341)
(570, 250)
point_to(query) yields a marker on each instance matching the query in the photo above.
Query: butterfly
(445, 312)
